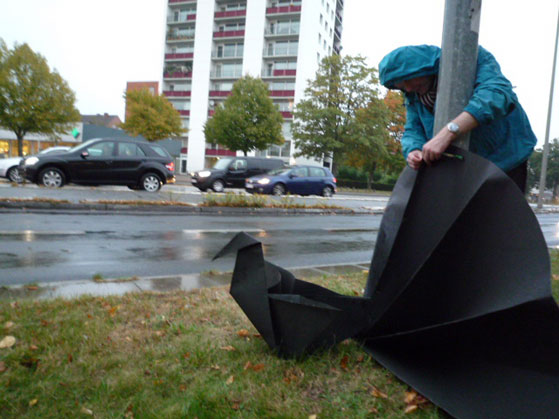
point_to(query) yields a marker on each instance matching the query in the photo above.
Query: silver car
(8, 166)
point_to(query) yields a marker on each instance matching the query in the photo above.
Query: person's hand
(414, 159)
(436, 146)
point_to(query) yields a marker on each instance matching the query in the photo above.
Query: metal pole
(543, 173)
(457, 68)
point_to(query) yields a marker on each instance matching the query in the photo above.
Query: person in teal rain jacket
(500, 130)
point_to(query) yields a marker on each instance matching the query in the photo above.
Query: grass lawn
(184, 354)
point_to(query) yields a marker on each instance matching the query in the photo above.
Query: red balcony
(184, 113)
(287, 115)
(178, 75)
(231, 13)
(285, 72)
(219, 152)
(219, 93)
(229, 34)
(211, 112)
(191, 17)
(283, 9)
(177, 93)
(184, 55)
(282, 93)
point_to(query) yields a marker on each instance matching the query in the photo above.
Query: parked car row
(9, 166)
(265, 176)
(102, 161)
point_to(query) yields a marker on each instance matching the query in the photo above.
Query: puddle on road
(12, 260)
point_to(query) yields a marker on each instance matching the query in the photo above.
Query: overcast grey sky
(97, 46)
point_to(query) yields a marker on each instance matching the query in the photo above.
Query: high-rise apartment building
(211, 43)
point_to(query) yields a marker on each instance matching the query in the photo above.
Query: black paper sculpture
(458, 302)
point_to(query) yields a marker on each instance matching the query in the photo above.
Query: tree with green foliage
(327, 121)
(535, 168)
(248, 119)
(151, 116)
(33, 99)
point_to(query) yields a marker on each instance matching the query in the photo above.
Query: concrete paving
(121, 286)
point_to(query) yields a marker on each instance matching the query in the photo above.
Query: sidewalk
(120, 286)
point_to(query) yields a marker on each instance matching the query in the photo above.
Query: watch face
(453, 127)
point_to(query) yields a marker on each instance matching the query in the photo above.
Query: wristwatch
(453, 127)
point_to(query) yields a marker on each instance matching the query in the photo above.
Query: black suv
(103, 161)
(232, 172)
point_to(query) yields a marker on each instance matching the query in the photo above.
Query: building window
(321, 18)
(319, 39)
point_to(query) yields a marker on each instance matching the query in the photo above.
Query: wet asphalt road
(61, 247)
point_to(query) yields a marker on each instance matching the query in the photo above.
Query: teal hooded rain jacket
(504, 135)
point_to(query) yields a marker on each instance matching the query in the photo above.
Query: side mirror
(84, 154)
(291, 175)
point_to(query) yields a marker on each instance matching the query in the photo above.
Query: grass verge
(184, 354)
(41, 200)
(232, 199)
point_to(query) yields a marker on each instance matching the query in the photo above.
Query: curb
(180, 209)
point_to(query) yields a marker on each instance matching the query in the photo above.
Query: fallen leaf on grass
(312, 416)
(555, 277)
(86, 411)
(228, 348)
(344, 361)
(378, 394)
(7, 342)
(254, 367)
(182, 387)
(33, 402)
(410, 396)
(410, 408)
(230, 380)
(33, 347)
(215, 367)
(243, 333)
(360, 358)
(32, 288)
(3, 366)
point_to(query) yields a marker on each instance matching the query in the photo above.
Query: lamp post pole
(545, 155)
(457, 69)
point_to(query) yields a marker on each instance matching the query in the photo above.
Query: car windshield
(222, 164)
(82, 145)
(281, 171)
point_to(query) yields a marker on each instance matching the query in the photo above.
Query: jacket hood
(408, 62)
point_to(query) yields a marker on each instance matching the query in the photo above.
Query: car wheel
(327, 191)
(218, 185)
(278, 190)
(13, 175)
(150, 182)
(51, 177)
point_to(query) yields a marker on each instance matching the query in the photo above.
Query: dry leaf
(86, 411)
(343, 362)
(373, 410)
(410, 396)
(70, 358)
(228, 348)
(312, 416)
(243, 333)
(230, 380)
(7, 342)
(186, 355)
(215, 367)
(247, 365)
(3, 366)
(33, 347)
(32, 288)
(182, 387)
(378, 394)
(13, 304)
(255, 367)
(410, 408)
(33, 402)
(361, 358)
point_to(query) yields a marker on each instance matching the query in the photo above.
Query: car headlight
(264, 181)
(204, 173)
(31, 161)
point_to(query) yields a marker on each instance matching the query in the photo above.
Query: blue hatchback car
(299, 180)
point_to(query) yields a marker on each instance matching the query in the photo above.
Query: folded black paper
(458, 301)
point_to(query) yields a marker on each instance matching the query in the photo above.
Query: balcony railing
(229, 34)
(230, 13)
(226, 74)
(179, 56)
(283, 9)
(177, 75)
(282, 93)
(180, 37)
(189, 18)
(279, 73)
(181, 1)
(184, 112)
(280, 52)
(177, 93)
(281, 31)
(219, 152)
(224, 54)
(219, 93)
(286, 114)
